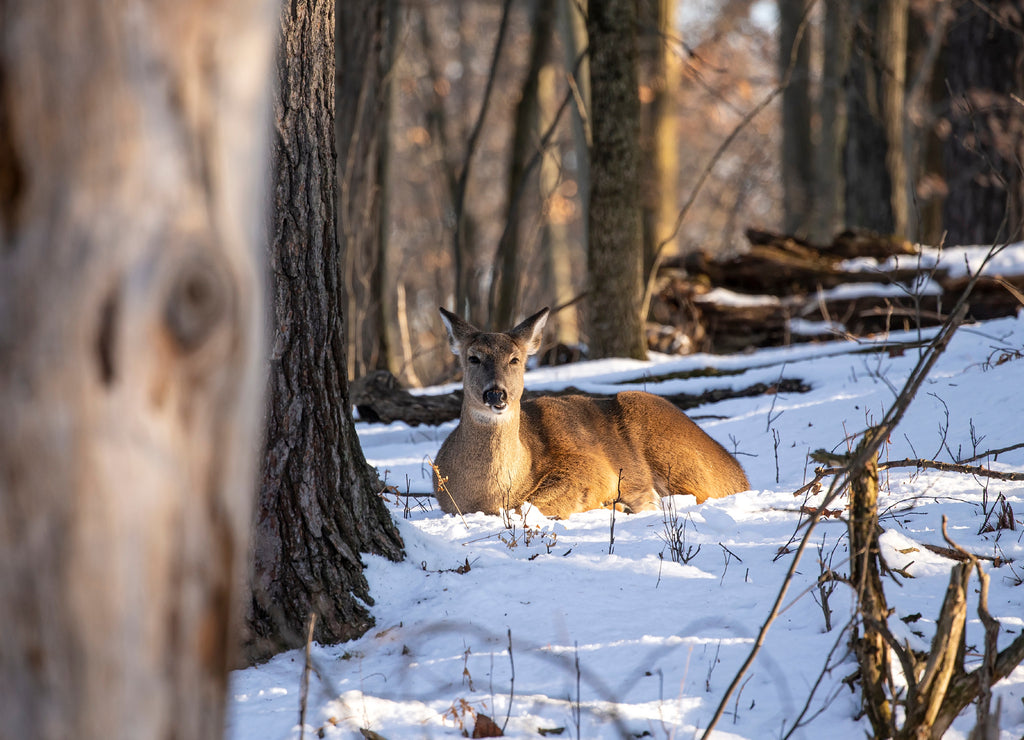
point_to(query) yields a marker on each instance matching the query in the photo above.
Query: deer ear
(530, 333)
(459, 331)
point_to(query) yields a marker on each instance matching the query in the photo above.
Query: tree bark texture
(132, 137)
(983, 153)
(875, 168)
(319, 505)
(798, 199)
(615, 255)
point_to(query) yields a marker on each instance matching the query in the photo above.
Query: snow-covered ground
(549, 625)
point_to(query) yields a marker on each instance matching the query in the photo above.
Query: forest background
(794, 116)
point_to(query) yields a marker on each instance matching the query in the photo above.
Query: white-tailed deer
(565, 454)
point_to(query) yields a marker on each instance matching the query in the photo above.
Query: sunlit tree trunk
(660, 143)
(132, 153)
(615, 259)
(874, 162)
(318, 505)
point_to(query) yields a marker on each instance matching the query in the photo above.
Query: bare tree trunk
(319, 505)
(797, 145)
(572, 35)
(615, 259)
(829, 213)
(985, 149)
(363, 63)
(660, 143)
(511, 254)
(131, 169)
(876, 171)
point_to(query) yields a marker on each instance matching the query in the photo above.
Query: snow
(658, 642)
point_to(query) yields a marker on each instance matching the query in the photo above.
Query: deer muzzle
(496, 398)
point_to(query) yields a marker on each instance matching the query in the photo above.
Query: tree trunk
(661, 74)
(984, 67)
(510, 258)
(363, 65)
(131, 167)
(876, 170)
(797, 146)
(319, 505)
(829, 214)
(615, 258)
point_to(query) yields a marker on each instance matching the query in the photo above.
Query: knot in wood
(198, 301)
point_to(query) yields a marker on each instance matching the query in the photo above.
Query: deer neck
(497, 445)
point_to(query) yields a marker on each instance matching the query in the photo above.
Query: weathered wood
(132, 140)
(868, 642)
(782, 278)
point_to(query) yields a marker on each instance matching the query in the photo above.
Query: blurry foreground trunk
(131, 172)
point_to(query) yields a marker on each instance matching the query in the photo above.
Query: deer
(565, 454)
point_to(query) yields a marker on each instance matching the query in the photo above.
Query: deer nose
(495, 398)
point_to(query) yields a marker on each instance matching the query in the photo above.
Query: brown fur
(569, 453)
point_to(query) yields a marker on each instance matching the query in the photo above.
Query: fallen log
(379, 398)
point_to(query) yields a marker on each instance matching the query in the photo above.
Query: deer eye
(513, 361)
(474, 360)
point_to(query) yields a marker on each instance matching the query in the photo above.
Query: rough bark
(132, 137)
(984, 66)
(318, 502)
(615, 254)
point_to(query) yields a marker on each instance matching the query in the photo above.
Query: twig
(946, 467)
(615, 503)
(511, 683)
(306, 670)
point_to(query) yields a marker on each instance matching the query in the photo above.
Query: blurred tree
(132, 143)
(876, 171)
(363, 64)
(659, 85)
(527, 133)
(615, 255)
(318, 504)
(798, 157)
(984, 152)
(829, 212)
